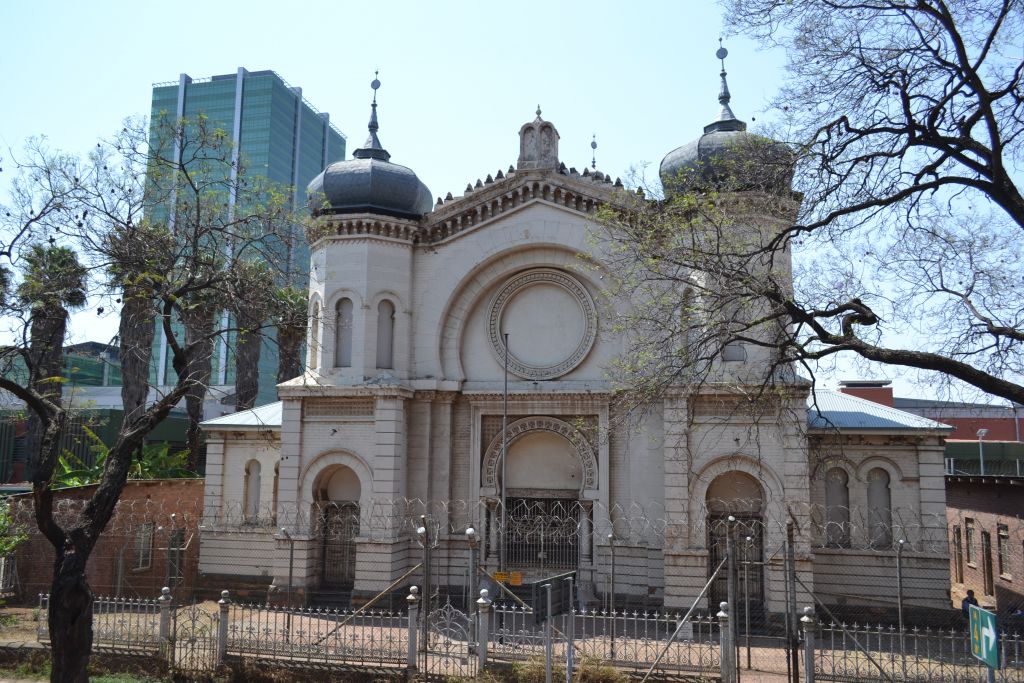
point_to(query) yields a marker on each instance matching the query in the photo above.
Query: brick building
(150, 542)
(987, 540)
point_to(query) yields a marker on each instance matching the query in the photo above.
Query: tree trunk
(199, 322)
(70, 617)
(46, 351)
(135, 331)
(289, 349)
(247, 360)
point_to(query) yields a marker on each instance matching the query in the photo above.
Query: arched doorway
(545, 476)
(739, 495)
(337, 496)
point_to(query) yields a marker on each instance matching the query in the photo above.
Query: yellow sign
(501, 577)
(515, 578)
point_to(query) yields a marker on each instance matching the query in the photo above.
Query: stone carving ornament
(584, 449)
(574, 350)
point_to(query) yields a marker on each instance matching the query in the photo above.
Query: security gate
(340, 526)
(192, 646)
(749, 557)
(447, 652)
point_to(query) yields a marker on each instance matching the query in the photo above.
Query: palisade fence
(877, 581)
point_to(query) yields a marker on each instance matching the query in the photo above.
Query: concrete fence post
(164, 603)
(728, 651)
(222, 627)
(810, 625)
(483, 609)
(413, 600)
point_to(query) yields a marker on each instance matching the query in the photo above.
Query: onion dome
(369, 182)
(727, 157)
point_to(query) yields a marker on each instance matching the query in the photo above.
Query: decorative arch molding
(325, 461)
(825, 463)
(584, 449)
(871, 462)
(344, 293)
(499, 265)
(390, 295)
(738, 462)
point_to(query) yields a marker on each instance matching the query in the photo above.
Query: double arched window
(385, 334)
(880, 508)
(343, 334)
(252, 491)
(837, 508)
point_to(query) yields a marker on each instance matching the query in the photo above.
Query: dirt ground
(18, 623)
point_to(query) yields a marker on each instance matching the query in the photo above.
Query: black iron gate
(339, 529)
(749, 558)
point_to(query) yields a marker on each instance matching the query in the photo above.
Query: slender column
(492, 532)
(810, 625)
(413, 599)
(483, 606)
(586, 510)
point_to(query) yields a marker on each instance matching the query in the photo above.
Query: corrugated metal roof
(261, 417)
(828, 409)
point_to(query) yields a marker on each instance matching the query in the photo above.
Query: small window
(385, 334)
(252, 491)
(837, 508)
(969, 540)
(343, 334)
(958, 554)
(176, 557)
(880, 508)
(314, 336)
(144, 547)
(1003, 549)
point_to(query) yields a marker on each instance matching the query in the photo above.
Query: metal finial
(372, 149)
(593, 153)
(538, 111)
(723, 94)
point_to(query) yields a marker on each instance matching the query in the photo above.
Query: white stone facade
(400, 413)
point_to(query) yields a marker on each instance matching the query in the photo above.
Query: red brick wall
(111, 570)
(989, 503)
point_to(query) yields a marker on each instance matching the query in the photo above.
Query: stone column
(586, 543)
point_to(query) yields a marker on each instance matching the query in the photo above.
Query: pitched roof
(828, 409)
(261, 417)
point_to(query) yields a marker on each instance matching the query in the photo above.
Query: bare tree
(906, 119)
(154, 219)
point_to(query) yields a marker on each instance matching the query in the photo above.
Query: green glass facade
(279, 136)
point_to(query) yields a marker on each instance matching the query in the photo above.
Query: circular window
(551, 322)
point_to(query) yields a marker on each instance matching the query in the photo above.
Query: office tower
(276, 134)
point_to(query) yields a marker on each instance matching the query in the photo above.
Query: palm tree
(54, 284)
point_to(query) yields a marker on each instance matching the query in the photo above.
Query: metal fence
(853, 652)
(118, 624)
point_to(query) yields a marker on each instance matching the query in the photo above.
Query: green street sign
(984, 637)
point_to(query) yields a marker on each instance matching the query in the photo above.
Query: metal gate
(193, 640)
(448, 651)
(749, 557)
(340, 526)
(543, 533)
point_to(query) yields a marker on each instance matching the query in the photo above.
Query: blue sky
(458, 78)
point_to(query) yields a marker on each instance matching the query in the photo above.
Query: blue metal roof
(260, 417)
(828, 409)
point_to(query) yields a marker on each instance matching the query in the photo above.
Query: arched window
(252, 490)
(880, 508)
(314, 336)
(385, 334)
(343, 334)
(837, 508)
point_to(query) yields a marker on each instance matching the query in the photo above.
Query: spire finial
(723, 94)
(372, 149)
(593, 152)
(538, 112)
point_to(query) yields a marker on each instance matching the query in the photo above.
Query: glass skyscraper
(277, 134)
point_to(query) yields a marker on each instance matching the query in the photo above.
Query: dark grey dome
(369, 182)
(370, 185)
(727, 157)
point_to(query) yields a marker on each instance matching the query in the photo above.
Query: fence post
(222, 627)
(413, 600)
(725, 644)
(483, 610)
(164, 602)
(810, 625)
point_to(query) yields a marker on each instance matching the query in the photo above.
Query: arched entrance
(337, 491)
(544, 480)
(739, 495)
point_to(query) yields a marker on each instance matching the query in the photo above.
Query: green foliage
(53, 277)
(155, 461)
(10, 534)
